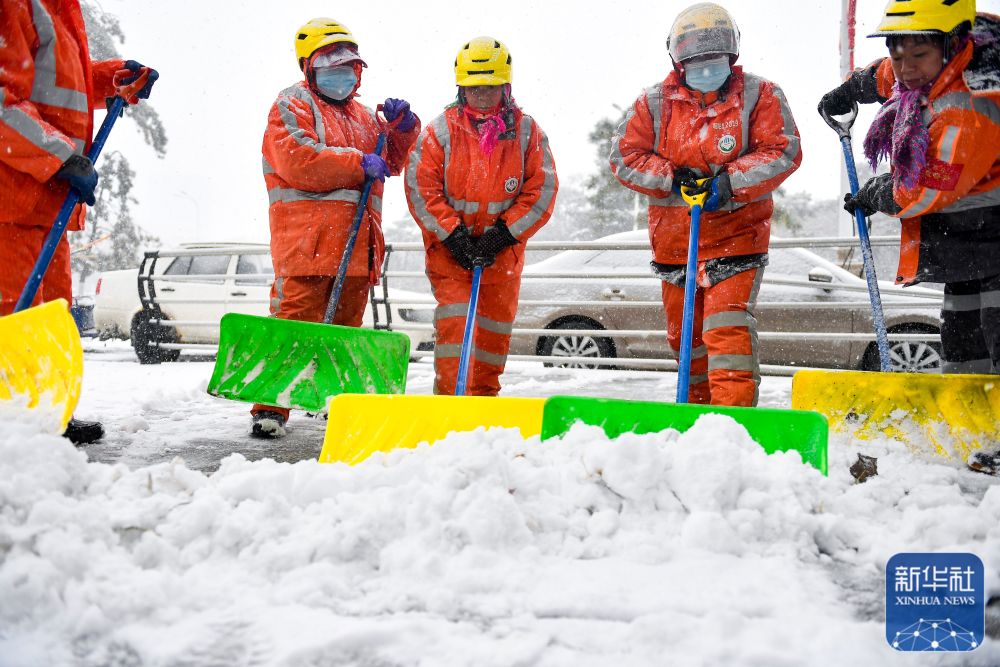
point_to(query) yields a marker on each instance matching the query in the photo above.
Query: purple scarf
(898, 133)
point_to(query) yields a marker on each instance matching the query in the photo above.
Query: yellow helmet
(914, 17)
(702, 29)
(318, 33)
(483, 61)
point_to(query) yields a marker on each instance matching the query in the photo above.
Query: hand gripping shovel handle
(843, 130)
(470, 321)
(690, 278)
(62, 219)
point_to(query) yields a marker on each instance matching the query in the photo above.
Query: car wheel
(144, 333)
(573, 345)
(910, 356)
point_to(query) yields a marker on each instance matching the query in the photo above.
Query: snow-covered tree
(615, 208)
(112, 239)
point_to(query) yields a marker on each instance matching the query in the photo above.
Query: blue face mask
(336, 82)
(708, 75)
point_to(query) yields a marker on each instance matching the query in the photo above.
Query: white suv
(220, 279)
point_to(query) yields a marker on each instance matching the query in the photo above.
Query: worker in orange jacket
(319, 147)
(49, 89)
(710, 120)
(480, 182)
(939, 126)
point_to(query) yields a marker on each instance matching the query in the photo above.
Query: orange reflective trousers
(724, 363)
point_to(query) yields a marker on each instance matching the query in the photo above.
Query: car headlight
(417, 314)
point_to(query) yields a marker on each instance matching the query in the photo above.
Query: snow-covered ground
(180, 541)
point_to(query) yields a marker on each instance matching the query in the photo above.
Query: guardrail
(383, 304)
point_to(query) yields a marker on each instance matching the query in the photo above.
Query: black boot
(985, 462)
(267, 424)
(83, 433)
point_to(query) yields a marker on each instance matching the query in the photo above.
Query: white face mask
(707, 75)
(336, 82)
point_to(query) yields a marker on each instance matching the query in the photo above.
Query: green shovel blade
(775, 430)
(301, 365)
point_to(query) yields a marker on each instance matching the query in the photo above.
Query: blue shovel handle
(470, 321)
(62, 219)
(843, 130)
(687, 319)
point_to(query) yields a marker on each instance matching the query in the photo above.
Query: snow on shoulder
(484, 549)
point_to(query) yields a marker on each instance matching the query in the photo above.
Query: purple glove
(393, 108)
(375, 167)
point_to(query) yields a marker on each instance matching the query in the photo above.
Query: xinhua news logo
(934, 602)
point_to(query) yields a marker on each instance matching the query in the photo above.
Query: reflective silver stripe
(447, 351)
(731, 318)
(971, 367)
(287, 195)
(765, 172)
(958, 303)
(451, 310)
(548, 190)
(979, 200)
(463, 206)
(732, 362)
(44, 89)
(440, 129)
(497, 207)
(278, 295)
(490, 358)
(493, 326)
(266, 166)
(751, 94)
(626, 173)
(673, 200)
(524, 134)
(697, 379)
(946, 152)
(300, 135)
(967, 102)
(28, 127)
(697, 352)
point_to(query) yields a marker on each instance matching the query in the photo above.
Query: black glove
(688, 178)
(79, 171)
(495, 239)
(461, 247)
(861, 87)
(875, 196)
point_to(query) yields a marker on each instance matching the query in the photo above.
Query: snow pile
(485, 549)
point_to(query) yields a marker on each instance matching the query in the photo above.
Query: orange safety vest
(312, 168)
(450, 181)
(48, 91)
(748, 131)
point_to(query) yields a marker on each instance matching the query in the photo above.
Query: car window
(254, 264)
(209, 265)
(178, 267)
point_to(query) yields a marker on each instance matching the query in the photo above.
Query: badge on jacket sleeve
(510, 185)
(727, 143)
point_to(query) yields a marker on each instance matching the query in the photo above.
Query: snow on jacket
(48, 91)
(747, 130)
(312, 168)
(951, 218)
(449, 181)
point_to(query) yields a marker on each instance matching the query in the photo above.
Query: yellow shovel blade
(41, 365)
(362, 424)
(946, 415)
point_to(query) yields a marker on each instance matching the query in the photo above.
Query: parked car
(826, 290)
(82, 311)
(233, 282)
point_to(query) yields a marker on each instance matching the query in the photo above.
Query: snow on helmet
(318, 33)
(702, 29)
(917, 17)
(483, 61)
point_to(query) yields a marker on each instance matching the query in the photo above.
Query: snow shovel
(41, 358)
(774, 429)
(294, 364)
(944, 415)
(695, 201)
(358, 426)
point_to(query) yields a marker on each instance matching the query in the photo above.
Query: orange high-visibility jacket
(748, 131)
(962, 174)
(48, 91)
(449, 181)
(312, 168)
